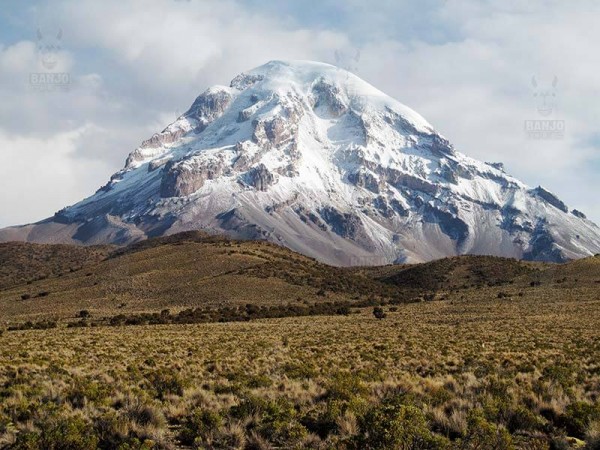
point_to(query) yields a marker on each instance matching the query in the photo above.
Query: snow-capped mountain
(310, 156)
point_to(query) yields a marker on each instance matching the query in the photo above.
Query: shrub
(345, 386)
(299, 370)
(198, 425)
(85, 390)
(379, 313)
(395, 426)
(276, 420)
(578, 417)
(483, 435)
(165, 382)
(115, 431)
(59, 433)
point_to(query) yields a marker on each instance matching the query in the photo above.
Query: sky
(84, 82)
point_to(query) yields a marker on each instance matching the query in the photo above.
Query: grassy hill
(211, 273)
(189, 270)
(21, 262)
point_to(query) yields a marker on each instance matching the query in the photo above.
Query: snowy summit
(310, 156)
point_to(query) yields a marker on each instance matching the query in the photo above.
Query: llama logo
(545, 128)
(48, 46)
(347, 60)
(545, 96)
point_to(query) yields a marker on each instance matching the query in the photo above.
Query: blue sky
(133, 66)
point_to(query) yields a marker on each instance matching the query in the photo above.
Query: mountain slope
(309, 156)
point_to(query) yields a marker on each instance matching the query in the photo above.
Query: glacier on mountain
(310, 156)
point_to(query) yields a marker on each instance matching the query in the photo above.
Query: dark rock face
(496, 165)
(180, 180)
(450, 225)
(382, 206)
(448, 173)
(328, 96)
(209, 106)
(260, 178)
(542, 246)
(579, 214)
(239, 226)
(307, 216)
(244, 80)
(365, 180)
(510, 223)
(550, 198)
(344, 224)
(400, 180)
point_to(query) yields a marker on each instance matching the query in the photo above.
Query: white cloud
(42, 175)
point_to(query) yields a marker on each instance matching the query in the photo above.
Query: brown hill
(189, 270)
(462, 272)
(195, 270)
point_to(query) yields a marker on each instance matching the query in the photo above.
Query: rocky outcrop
(403, 180)
(347, 225)
(208, 106)
(364, 179)
(272, 132)
(496, 165)
(245, 80)
(184, 178)
(550, 198)
(328, 97)
(260, 178)
(165, 137)
(449, 223)
(542, 245)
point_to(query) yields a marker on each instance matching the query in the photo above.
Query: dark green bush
(578, 417)
(482, 435)
(59, 433)
(198, 424)
(396, 426)
(379, 313)
(165, 382)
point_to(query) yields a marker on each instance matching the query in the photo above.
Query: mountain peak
(311, 157)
